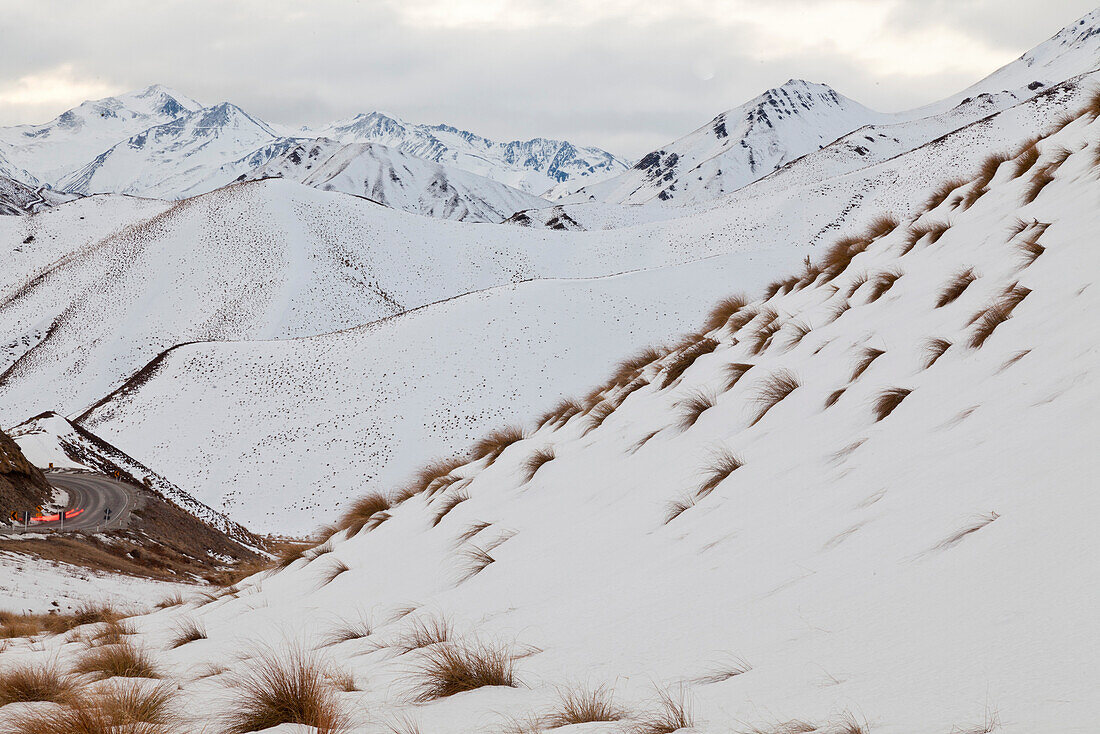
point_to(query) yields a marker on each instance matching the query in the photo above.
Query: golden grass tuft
(730, 668)
(797, 331)
(677, 507)
(334, 569)
(942, 192)
(287, 553)
(41, 682)
(870, 354)
(123, 660)
(686, 357)
(840, 255)
(456, 667)
(734, 372)
(113, 709)
(447, 503)
(560, 414)
(722, 464)
(987, 320)
(760, 339)
(882, 282)
(348, 630)
(631, 367)
(434, 476)
(1035, 185)
(1027, 155)
(674, 713)
(424, 632)
(361, 511)
(722, 311)
(536, 461)
(1091, 108)
(693, 407)
(1030, 250)
(583, 706)
(773, 389)
(597, 415)
(881, 225)
(933, 350)
(833, 397)
(189, 630)
(955, 287)
(474, 561)
(490, 447)
(285, 687)
(888, 400)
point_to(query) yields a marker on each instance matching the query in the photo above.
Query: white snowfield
(918, 564)
(398, 180)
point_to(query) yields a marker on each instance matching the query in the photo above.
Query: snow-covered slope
(53, 149)
(534, 166)
(851, 506)
(398, 180)
(19, 198)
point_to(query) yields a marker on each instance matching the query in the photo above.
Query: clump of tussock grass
(423, 632)
(679, 506)
(838, 310)
(980, 522)
(942, 192)
(882, 225)
(325, 547)
(1030, 250)
(760, 339)
(172, 600)
(673, 713)
(722, 463)
(855, 284)
(643, 441)
(955, 287)
(742, 317)
(731, 668)
(888, 400)
(490, 447)
(986, 171)
(869, 355)
(536, 461)
(123, 660)
(1091, 108)
(1035, 185)
(686, 356)
(428, 479)
(597, 415)
(797, 331)
(1013, 360)
(472, 530)
(560, 414)
(933, 350)
(361, 512)
(734, 372)
(474, 561)
(791, 726)
(583, 706)
(447, 503)
(988, 319)
(882, 282)
(772, 390)
(631, 367)
(779, 287)
(189, 630)
(403, 725)
(833, 397)
(624, 392)
(285, 687)
(348, 630)
(722, 311)
(113, 632)
(456, 667)
(840, 255)
(1027, 155)
(811, 271)
(848, 724)
(932, 230)
(342, 680)
(1061, 121)
(334, 569)
(693, 407)
(1018, 226)
(41, 682)
(113, 709)
(287, 554)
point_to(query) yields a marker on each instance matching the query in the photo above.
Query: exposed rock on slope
(22, 485)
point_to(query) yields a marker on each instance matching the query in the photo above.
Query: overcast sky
(626, 75)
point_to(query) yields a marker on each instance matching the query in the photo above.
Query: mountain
(398, 180)
(54, 149)
(534, 166)
(859, 500)
(18, 198)
(178, 158)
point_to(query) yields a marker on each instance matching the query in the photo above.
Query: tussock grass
(561, 413)
(474, 561)
(848, 724)
(987, 320)
(472, 530)
(428, 479)
(888, 400)
(1018, 226)
(734, 372)
(1091, 108)
(285, 687)
(838, 310)
(932, 230)
(980, 522)
(536, 461)
(693, 407)
(742, 317)
(122, 660)
(1035, 185)
(955, 287)
(731, 668)
(986, 171)
(336, 568)
(41, 682)
(492, 446)
(720, 314)
(342, 680)
(881, 225)
(583, 706)
(942, 192)
(855, 284)
(643, 441)
(870, 354)
(597, 415)
(791, 726)
(113, 632)
(424, 632)
(173, 600)
(189, 630)
(673, 713)
(722, 463)
(287, 554)
(840, 255)
(677, 507)
(1027, 155)
(797, 331)
(447, 503)
(685, 358)
(882, 282)
(361, 511)
(1013, 360)
(348, 630)
(456, 667)
(759, 340)
(114, 709)
(403, 725)
(1030, 250)
(833, 397)
(933, 350)
(772, 390)
(631, 367)
(778, 287)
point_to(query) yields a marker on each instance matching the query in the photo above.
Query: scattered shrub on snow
(674, 714)
(190, 630)
(584, 705)
(888, 400)
(771, 390)
(42, 682)
(455, 667)
(285, 687)
(123, 660)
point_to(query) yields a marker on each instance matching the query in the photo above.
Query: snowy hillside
(398, 180)
(534, 166)
(53, 149)
(851, 505)
(18, 198)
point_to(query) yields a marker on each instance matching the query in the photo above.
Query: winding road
(92, 493)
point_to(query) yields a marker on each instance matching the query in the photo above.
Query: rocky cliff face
(22, 485)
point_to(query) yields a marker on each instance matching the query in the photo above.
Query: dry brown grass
(455, 667)
(720, 314)
(772, 390)
(173, 600)
(986, 171)
(1027, 155)
(742, 317)
(342, 680)
(123, 660)
(446, 503)
(597, 415)
(41, 682)
(888, 400)
(855, 284)
(933, 350)
(686, 357)
(285, 687)
(361, 511)
(423, 632)
(778, 287)
(1030, 250)
(287, 553)
(730, 668)
(760, 339)
(474, 560)
(490, 447)
(834, 396)
(677, 507)
(987, 320)
(838, 310)
(348, 630)
(583, 706)
(881, 225)
(796, 332)
(870, 354)
(941, 193)
(334, 569)
(114, 709)
(880, 283)
(693, 407)
(674, 713)
(1035, 185)
(536, 461)
(980, 522)
(840, 255)
(560, 414)
(189, 630)
(734, 372)
(722, 463)
(1092, 104)
(933, 230)
(14, 625)
(430, 475)
(955, 287)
